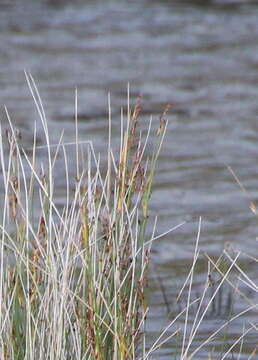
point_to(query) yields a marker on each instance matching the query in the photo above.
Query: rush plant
(73, 277)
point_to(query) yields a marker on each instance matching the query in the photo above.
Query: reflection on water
(200, 56)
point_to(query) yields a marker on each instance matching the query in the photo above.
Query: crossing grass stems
(73, 279)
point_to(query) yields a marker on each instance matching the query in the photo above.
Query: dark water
(200, 56)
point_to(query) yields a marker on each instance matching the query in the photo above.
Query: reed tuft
(73, 278)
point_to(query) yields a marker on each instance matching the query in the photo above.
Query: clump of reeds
(72, 280)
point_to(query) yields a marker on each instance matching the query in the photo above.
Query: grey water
(202, 58)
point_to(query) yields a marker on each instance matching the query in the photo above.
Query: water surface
(200, 56)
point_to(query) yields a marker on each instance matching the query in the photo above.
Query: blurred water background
(200, 56)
